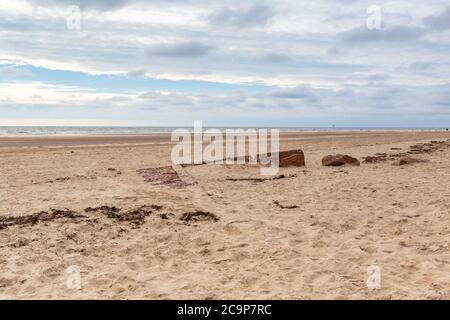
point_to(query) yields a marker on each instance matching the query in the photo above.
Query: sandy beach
(309, 235)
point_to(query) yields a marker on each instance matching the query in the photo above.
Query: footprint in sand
(243, 227)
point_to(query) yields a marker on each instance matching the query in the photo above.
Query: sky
(286, 63)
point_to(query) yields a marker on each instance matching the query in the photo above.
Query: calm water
(69, 131)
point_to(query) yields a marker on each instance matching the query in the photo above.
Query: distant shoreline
(164, 138)
(76, 131)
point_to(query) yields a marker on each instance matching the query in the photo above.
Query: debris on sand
(339, 160)
(135, 216)
(35, 218)
(281, 176)
(427, 147)
(102, 209)
(61, 179)
(279, 205)
(166, 216)
(419, 148)
(398, 155)
(163, 176)
(198, 216)
(372, 159)
(64, 179)
(117, 172)
(408, 160)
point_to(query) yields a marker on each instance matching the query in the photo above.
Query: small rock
(339, 160)
(290, 158)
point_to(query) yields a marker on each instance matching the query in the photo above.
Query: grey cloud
(256, 15)
(156, 100)
(119, 99)
(275, 58)
(336, 51)
(373, 105)
(379, 77)
(440, 21)
(190, 49)
(376, 77)
(333, 51)
(137, 73)
(370, 102)
(84, 4)
(394, 34)
(14, 72)
(423, 65)
(298, 93)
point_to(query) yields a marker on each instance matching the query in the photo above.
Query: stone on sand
(292, 158)
(339, 160)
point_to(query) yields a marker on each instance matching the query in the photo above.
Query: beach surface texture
(135, 227)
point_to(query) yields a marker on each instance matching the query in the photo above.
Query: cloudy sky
(227, 63)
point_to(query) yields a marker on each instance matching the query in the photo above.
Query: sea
(14, 131)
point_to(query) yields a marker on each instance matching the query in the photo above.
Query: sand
(310, 235)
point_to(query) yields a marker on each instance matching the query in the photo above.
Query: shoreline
(169, 130)
(24, 142)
